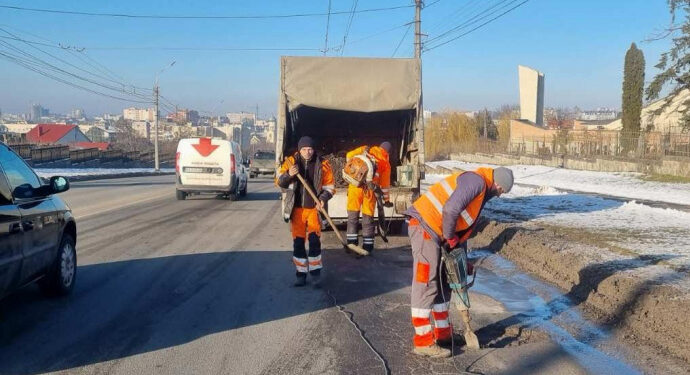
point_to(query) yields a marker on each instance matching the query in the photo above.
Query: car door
(38, 215)
(11, 234)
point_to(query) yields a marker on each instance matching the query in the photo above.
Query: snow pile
(624, 185)
(634, 226)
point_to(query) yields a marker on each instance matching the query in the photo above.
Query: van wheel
(243, 192)
(62, 274)
(181, 195)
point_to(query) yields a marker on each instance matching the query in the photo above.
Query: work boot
(433, 351)
(316, 281)
(301, 281)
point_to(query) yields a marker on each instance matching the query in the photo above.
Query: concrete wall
(675, 167)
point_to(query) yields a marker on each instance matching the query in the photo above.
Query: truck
(263, 163)
(345, 103)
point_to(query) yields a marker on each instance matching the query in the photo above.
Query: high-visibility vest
(430, 207)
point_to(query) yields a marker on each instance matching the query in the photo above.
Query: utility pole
(486, 132)
(155, 124)
(418, 29)
(418, 57)
(155, 128)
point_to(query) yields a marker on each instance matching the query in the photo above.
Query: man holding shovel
(445, 216)
(302, 208)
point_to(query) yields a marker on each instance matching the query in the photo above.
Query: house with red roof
(63, 134)
(103, 146)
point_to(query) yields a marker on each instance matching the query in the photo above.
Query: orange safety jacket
(430, 204)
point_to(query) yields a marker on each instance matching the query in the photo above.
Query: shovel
(352, 247)
(470, 337)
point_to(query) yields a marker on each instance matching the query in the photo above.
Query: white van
(210, 165)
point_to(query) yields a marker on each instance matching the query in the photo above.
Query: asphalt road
(203, 286)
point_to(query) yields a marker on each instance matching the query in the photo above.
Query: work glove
(452, 243)
(388, 204)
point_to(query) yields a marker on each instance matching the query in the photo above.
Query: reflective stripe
(435, 202)
(329, 188)
(446, 187)
(315, 263)
(299, 261)
(441, 324)
(441, 307)
(468, 219)
(300, 264)
(352, 235)
(420, 313)
(423, 330)
(386, 190)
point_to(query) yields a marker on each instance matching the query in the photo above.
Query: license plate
(202, 170)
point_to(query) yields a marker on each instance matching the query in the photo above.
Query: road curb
(119, 175)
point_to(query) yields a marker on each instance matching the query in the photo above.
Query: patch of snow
(624, 185)
(637, 227)
(72, 172)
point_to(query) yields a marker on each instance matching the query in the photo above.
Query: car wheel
(243, 192)
(181, 195)
(63, 273)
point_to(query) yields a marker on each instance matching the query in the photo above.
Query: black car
(37, 230)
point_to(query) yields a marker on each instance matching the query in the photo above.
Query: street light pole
(155, 125)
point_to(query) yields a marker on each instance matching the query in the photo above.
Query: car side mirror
(59, 184)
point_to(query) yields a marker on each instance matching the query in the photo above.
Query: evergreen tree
(633, 88)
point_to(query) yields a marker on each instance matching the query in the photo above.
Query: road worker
(362, 198)
(445, 215)
(302, 210)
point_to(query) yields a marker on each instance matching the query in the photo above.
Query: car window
(263, 155)
(20, 176)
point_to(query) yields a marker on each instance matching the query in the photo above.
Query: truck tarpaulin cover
(350, 84)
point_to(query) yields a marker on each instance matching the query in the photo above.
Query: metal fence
(40, 153)
(616, 144)
(587, 144)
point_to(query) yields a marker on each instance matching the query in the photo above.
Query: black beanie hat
(305, 142)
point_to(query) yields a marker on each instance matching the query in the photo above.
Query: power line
(60, 70)
(154, 48)
(338, 47)
(477, 17)
(467, 6)
(328, 23)
(78, 52)
(401, 40)
(127, 15)
(349, 24)
(478, 27)
(14, 59)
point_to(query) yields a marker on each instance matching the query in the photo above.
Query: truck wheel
(181, 195)
(59, 280)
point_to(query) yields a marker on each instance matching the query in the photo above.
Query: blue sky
(579, 45)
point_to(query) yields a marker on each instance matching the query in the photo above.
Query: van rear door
(204, 162)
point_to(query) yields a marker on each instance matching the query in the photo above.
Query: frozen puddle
(536, 305)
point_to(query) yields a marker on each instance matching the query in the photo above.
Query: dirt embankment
(637, 298)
